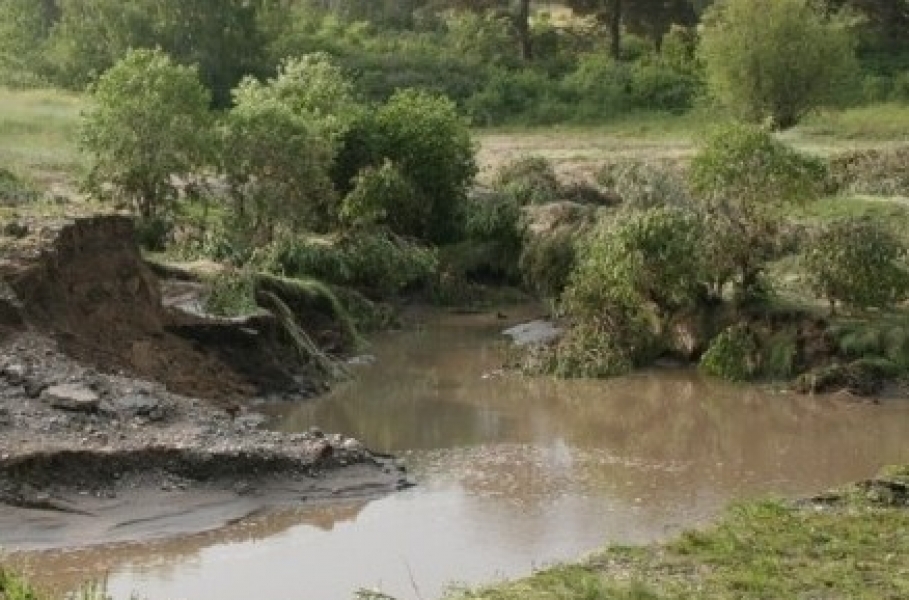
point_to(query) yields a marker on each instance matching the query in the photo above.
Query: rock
(34, 387)
(316, 432)
(5, 418)
(137, 405)
(352, 445)
(14, 373)
(72, 397)
(362, 360)
(533, 333)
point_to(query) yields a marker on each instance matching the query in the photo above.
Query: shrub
(774, 59)
(876, 172)
(231, 294)
(547, 261)
(644, 185)
(742, 177)
(529, 180)
(858, 263)
(377, 263)
(15, 191)
(382, 196)
(653, 255)
(732, 355)
(430, 145)
(148, 125)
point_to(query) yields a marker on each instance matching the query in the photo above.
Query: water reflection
(513, 473)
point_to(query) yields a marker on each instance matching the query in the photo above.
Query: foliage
(528, 180)
(732, 355)
(231, 294)
(547, 261)
(15, 191)
(653, 256)
(883, 338)
(858, 263)
(379, 264)
(423, 136)
(774, 59)
(883, 172)
(381, 196)
(743, 176)
(148, 126)
(279, 144)
(643, 185)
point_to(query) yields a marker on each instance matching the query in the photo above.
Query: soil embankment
(112, 405)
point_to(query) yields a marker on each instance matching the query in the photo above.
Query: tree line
(499, 60)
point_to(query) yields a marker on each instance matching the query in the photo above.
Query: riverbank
(850, 543)
(125, 418)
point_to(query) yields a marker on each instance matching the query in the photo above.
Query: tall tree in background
(775, 59)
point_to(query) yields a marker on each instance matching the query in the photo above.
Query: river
(513, 473)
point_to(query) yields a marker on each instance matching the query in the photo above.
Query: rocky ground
(108, 398)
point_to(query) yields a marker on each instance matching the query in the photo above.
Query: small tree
(148, 127)
(859, 263)
(774, 59)
(281, 139)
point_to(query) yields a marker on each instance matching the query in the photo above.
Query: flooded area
(513, 473)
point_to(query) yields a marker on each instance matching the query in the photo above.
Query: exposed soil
(108, 394)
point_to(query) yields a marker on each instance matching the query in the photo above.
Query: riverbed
(513, 473)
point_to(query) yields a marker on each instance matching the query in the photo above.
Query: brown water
(513, 473)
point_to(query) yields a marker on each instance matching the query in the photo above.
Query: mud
(113, 405)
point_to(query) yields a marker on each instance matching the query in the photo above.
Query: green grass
(879, 122)
(38, 131)
(852, 545)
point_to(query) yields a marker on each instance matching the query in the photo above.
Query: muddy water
(513, 474)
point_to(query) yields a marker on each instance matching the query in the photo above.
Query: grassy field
(38, 137)
(852, 545)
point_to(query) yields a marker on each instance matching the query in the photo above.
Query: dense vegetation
(498, 61)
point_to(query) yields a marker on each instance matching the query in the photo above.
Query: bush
(732, 355)
(547, 261)
(876, 172)
(430, 145)
(644, 185)
(528, 180)
(653, 255)
(378, 263)
(148, 126)
(742, 177)
(14, 191)
(858, 263)
(382, 196)
(775, 59)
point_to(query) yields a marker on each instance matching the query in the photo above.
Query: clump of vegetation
(775, 61)
(642, 185)
(732, 355)
(547, 261)
(231, 294)
(378, 263)
(14, 191)
(858, 263)
(528, 180)
(876, 172)
(743, 177)
(429, 144)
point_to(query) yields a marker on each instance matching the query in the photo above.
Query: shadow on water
(514, 472)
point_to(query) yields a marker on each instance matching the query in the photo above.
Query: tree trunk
(615, 29)
(522, 24)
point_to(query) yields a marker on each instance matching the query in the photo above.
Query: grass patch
(38, 135)
(881, 122)
(852, 544)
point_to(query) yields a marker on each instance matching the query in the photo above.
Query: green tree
(774, 59)
(24, 29)
(280, 140)
(859, 263)
(147, 127)
(430, 145)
